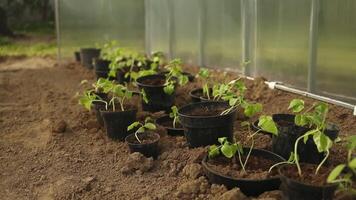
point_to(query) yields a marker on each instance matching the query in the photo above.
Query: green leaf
(352, 163)
(150, 126)
(169, 89)
(213, 151)
(300, 120)
(203, 73)
(133, 125)
(141, 130)
(296, 105)
(351, 142)
(144, 96)
(335, 173)
(232, 101)
(252, 109)
(267, 124)
(222, 140)
(228, 150)
(322, 141)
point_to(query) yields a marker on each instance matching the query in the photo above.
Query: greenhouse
(178, 99)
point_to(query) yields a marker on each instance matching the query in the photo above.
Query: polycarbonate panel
(282, 40)
(85, 23)
(223, 33)
(185, 29)
(158, 30)
(336, 69)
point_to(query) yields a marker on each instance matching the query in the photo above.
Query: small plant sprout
(141, 128)
(229, 149)
(174, 116)
(107, 50)
(119, 93)
(88, 98)
(344, 174)
(315, 118)
(175, 73)
(204, 74)
(234, 92)
(102, 85)
(157, 60)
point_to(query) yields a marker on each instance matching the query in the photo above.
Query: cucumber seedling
(204, 75)
(315, 118)
(175, 75)
(174, 115)
(345, 174)
(142, 127)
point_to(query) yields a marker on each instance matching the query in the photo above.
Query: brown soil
(308, 174)
(156, 82)
(52, 148)
(206, 111)
(145, 138)
(257, 167)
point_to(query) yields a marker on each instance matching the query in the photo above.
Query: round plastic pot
(116, 123)
(205, 130)
(77, 56)
(158, 100)
(170, 130)
(148, 149)
(87, 56)
(98, 107)
(295, 190)
(101, 68)
(250, 187)
(197, 95)
(288, 133)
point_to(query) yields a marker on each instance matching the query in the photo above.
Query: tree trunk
(4, 28)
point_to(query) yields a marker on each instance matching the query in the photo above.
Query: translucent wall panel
(185, 30)
(158, 25)
(222, 34)
(282, 40)
(336, 70)
(87, 22)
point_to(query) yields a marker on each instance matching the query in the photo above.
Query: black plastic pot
(147, 149)
(158, 100)
(205, 130)
(77, 56)
(197, 95)
(295, 190)
(98, 107)
(170, 130)
(101, 68)
(288, 133)
(87, 56)
(116, 123)
(249, 187)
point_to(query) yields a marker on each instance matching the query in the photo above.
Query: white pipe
(280, 86)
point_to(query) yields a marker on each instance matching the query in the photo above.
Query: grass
(38, 40)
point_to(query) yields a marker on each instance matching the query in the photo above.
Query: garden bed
(51, 148)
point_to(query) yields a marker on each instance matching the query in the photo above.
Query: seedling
(204, 74)
(229, 149)
(174, 75)
(108, 49)
(148, 125)
(174, 116)
(118, 92)
(157, 60)
(316, 120)
(344, 174)
(88, 98)
(234, 92)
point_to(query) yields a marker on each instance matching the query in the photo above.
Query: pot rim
(328, 185)
(128, 110)
(162, 119)
(204, 163)
(151, 86)
(180, 114)
(158, 137)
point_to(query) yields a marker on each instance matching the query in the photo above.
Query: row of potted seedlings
(301, 141)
